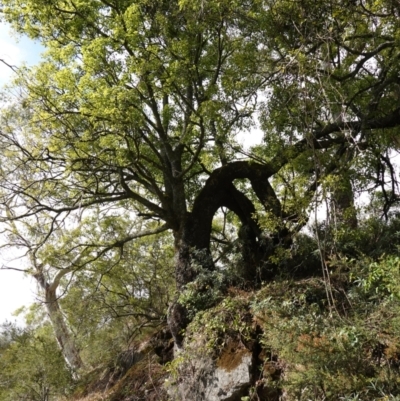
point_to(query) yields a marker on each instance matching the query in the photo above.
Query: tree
(84, 297)
(137, 106)
(24, 239)
(31, 365)
(120, 298)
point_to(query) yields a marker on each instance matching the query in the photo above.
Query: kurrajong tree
(137, 106)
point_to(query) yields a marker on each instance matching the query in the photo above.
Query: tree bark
(343, 204)
(61, 330)
(192, 240)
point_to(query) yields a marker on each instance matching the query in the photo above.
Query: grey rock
(230, 385)
(203, 379)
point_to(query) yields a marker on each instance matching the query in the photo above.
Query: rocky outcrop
(204, 379)
(231, 378)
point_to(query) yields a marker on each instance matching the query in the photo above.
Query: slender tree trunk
(343, 204)
(61, 330)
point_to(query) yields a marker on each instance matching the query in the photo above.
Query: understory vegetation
(329, 333)
(326, 336)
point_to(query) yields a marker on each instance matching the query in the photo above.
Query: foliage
(31, 365)
(204, 292)
(122, 297)
(373, 237)
(229, 319)
(379, 280)
(329, 354)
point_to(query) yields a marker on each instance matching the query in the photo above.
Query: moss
(232, 355)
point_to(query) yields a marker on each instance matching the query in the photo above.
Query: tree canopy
(135, 117)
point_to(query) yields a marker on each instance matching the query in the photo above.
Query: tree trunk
(61, 331)
(192, 239)
(344, 211)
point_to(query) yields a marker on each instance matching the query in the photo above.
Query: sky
(15, 50)
(16, 290)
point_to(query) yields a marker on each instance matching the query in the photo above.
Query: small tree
(32, 367)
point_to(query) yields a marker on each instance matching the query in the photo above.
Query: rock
(230, 383)
(202, 378)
